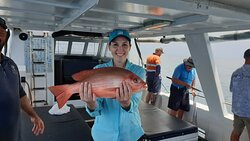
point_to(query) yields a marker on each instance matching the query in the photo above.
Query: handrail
(200, 96)
(227, 103)
(189, 93)
(165, 87)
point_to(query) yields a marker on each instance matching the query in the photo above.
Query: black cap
(247, 53)
(3, 23)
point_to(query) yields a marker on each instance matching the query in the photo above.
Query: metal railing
(200, 96)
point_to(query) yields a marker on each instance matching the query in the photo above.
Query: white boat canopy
(144, 18)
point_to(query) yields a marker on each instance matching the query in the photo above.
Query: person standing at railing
(182, 80)
(240, 87)
(153, 75)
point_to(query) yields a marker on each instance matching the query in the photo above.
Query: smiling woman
(119, 49)
(119, 46)
(111, 114)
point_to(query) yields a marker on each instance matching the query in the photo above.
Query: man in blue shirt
(12, 96)
(182, 80)
(240, 87)
(116, 119)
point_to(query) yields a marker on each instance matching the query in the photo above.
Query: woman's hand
(87, 96)
(123, 95)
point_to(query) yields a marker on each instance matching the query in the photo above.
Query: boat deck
(76, 125)
(67, 127)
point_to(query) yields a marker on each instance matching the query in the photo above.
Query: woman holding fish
(117, 117)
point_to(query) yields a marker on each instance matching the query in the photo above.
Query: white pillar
(202, 55)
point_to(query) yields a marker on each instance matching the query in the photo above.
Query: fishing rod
(191, 86)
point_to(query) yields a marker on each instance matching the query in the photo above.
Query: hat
(189, 62)
(159, 49)
(247, 53)
(3, 23)
(119, 32)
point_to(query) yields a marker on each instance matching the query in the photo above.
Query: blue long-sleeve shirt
(112, 122)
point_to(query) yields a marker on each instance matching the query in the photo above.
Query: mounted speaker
(23, 36)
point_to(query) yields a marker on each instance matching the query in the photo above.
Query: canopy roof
(144, 18)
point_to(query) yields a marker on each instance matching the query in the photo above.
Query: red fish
(104, 82)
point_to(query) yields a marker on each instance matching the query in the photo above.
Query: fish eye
(136, 80)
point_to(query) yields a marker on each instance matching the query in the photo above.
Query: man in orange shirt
(153, 75)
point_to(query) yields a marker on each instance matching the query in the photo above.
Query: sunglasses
(189, 66)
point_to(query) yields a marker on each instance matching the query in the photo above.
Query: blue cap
(119, 32)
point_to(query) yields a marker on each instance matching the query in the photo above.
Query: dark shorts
(179, 99)
(154, 83)
(240, 123)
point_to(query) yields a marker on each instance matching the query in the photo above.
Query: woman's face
(120, 48)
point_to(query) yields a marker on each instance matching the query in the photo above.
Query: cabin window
(104, 49)
(61, 47)
(77, 48)
(106, 52)
(92, 49)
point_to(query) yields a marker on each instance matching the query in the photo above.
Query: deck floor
(77, 124)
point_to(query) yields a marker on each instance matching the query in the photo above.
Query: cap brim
(185, 61)
(120, 36)
(189, 64)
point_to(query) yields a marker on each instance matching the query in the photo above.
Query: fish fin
(80, 76)
(57, 90)
(62, 93)
(63, 98)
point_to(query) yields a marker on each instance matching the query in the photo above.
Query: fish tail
(57, 90)
(62, 93)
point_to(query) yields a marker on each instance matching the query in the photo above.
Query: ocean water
(228, 56)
